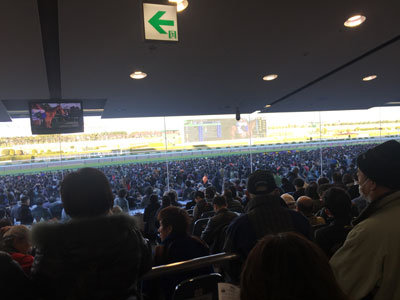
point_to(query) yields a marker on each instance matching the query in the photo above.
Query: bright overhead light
(256, 112)
(393, 103)
(355, 21)
(369, 78)
(270, 77)
(180, 4)
(268, 105)
(138, 75)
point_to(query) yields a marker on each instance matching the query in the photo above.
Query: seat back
(200, 287)
(199, 226)
(208, 214)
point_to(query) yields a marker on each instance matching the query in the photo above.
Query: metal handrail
(188, 265)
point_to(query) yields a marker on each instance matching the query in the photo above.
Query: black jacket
(150, 219)
(265, 215)
(330, 238)
(94, 258)
(211, 234)
(24, 215)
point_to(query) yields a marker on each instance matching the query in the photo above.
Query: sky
(21, 126)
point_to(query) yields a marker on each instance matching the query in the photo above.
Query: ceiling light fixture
(268, 105)
(369, 78)
(393, 103)
(355, 21)
(180, 4)
(270, 77)
(256, 112)
(138, 75)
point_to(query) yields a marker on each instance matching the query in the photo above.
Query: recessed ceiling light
(180, 4)
(368, 78)
(270, 77)
(355, 21)
(138, 75)
(268, 105)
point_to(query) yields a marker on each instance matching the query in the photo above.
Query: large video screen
(56, 117)
(223, 129)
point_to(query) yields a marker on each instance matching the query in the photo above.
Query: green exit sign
(160, 22)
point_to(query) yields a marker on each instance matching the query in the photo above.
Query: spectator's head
(17, 238)
(305, 205)
(261, 182)
(86, 193)
(173, 196)
(198, 196)
(188, 183)
(228, 195)
(289, 200)
(116, 210)
(149, 190)
(4, 222)
(337, 178)
(276, 264)
(210, 192)
(312, 190)
(165, 201)
(298, 183)
(122, 193)
(322, 180)
(378, 170)
(322, 189)
(347, 179)
(219, 202)
(25, 200)
(285, 181)
(39, 202)
(338, 203)
(173, 220)
(153, 199)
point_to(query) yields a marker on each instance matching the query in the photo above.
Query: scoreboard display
(223, 129)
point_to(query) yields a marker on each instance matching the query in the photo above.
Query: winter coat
(211, 234)
(265, 215)
(368, 264)
(93, 258)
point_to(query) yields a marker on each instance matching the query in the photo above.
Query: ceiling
(225, 49)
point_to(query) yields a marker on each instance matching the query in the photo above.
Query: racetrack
(157, 156)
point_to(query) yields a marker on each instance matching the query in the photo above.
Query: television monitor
(53, 117)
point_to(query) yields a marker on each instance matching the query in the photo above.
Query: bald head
(289, 200)
(304, 205)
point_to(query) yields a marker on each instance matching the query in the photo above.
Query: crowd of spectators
(284, 221)
(102, 136)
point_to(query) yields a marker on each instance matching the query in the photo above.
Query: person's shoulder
(240, 221)
(324, 231)
(298, 217)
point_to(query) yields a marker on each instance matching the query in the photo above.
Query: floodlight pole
(62, 171)
(251, 154)
(320, 141)
(166, 157)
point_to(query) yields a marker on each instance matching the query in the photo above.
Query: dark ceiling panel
(22, 69)
(347, 89)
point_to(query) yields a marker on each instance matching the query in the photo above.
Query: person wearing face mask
(368, 264)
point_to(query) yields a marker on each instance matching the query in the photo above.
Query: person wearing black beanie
(368, 264)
